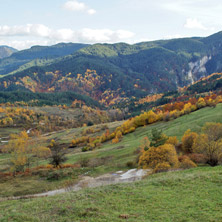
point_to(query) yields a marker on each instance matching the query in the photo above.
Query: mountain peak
(6, 51)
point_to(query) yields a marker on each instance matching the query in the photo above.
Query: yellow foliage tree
(156, 155)
(172, 140)
(200, 103)
(19, 154)
(23, 151)
(188, 141)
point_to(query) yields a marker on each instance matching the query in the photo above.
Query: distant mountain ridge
(37, 55)
(6, 51)
(115, 72)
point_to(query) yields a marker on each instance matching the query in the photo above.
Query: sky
(24, 23)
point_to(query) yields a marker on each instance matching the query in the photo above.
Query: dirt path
(86, 182)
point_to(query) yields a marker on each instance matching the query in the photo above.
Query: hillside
(123, 70)
(126, 201)
(107, 158)
(191, 195)
(6, 51)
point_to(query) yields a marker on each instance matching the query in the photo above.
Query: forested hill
(118, 71)
(36, 56)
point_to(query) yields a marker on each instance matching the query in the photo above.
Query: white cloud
(194, 24)
(104, 35)
(74, 5)
(31, 34)
(91, 11)
(25, 30)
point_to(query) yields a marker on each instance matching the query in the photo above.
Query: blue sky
(25, 23)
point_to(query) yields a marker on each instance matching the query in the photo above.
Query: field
(109, 158)
(190, 195)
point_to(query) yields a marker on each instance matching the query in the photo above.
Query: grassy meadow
(109, 158)
(189, 195)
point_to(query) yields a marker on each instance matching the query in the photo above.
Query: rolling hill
(116, 72)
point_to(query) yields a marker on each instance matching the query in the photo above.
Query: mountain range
(110, 73)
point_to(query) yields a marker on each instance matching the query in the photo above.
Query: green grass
(124, 150)
(115, 155)
(190, 195)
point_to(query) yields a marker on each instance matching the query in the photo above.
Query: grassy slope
(131, 142)
(191, 195)
(116, 155)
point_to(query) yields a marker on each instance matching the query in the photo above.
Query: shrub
(188, 141)
(130, 164)
(210, 148)
(54, 175)
(161, 167)
(197, 158)
(187, 163)
(173, 140)
(155, 155)
(85, 149)
(182, 158)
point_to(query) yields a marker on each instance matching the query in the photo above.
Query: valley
(112, 132)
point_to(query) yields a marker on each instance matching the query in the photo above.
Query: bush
(197, 158)
(188, 140)
(155, 155)
(187, 163)
(209, 143)
(85, 149)
(161, 167)
(130, 164)
(173, 140)
(55, 175)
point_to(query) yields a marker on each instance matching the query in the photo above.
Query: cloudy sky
(24, 23)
